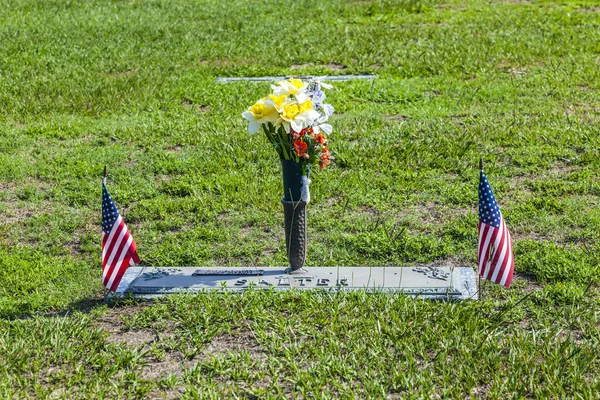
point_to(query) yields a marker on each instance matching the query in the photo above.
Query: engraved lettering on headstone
(425, 281)
(302, 280)
(283, 282)
(201, 272)
(159, 273)
(433, 273)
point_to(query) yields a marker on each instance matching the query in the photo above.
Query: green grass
(293, 344)
(130, 85)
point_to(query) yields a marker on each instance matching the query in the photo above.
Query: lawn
(131, 85)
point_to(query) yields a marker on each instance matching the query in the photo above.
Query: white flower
(280, 101)
(318, 98)
(319, 82)
(327, 109)
(323, 127)
(326, 112)
(260, 113)
(293, 87)
(299, 115)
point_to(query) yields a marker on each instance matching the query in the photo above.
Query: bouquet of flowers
(293, 117)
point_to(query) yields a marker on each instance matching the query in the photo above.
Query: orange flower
(321, 139)
(305, 131)
(324, 158)
(297, 135)
(300, 148)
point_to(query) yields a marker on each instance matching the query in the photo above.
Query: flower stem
(269, 130)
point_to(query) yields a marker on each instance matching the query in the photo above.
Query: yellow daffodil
(290, 112)
(306, 106)
(292, 87)
(298, 115)
(261, 112)
(279, 101)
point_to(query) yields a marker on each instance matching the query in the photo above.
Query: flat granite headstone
(428, 281)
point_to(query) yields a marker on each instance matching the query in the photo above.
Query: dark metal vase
(294, 210)
(295, 233)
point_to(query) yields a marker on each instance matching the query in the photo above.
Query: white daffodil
(318, 82)
(260, 113)
(293, 87)
(327, 110)
(323, 127)
(299, 115)
(280, 101)
(318, 98)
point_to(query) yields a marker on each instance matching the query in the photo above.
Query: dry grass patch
(112, 320)
(431, 213)
(589, 9)
(242, 340)
(15, 213)
(396, 117)
(122, 74)
(173, 363)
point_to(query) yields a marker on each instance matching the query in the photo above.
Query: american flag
(496, 260)
(118, 246)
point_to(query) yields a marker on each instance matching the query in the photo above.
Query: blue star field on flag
(109, 211)
(489, 212)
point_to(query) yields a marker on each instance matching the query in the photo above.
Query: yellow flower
(298, 116)
(290, 111)
(307, 105)
(292, 87)
(260, 113)
(260, 110)
(296, 85)
(278, 101)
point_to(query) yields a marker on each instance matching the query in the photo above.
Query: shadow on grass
(85, 306)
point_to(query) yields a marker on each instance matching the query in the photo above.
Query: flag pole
(479, 294)
(105, 291)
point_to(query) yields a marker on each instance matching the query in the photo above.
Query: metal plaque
(228, 272)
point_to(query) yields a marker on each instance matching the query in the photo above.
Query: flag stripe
(115, 261)
(124, 250)
(502, 261)
(124, 265)
(113, 240)
(114, 248)
(119, 272)
(510, 263)
(500, 251)
(485, 249)
(112, 234)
